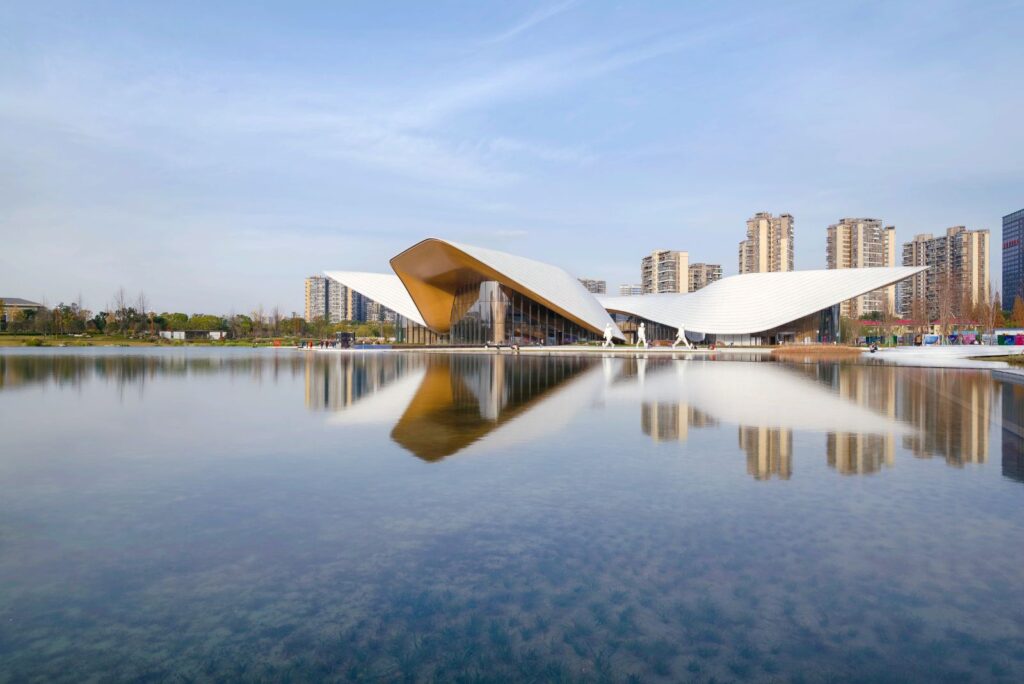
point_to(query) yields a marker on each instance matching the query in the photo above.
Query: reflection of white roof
(754, 302)
(384, 288)
(756, 395)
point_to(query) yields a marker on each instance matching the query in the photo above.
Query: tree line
(131, 317)
(949, 311)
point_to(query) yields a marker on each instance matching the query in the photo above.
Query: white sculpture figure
(641, 334)
(681, 339)
(608, 335)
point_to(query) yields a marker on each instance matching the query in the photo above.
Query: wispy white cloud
(531, 20)
(543, 151)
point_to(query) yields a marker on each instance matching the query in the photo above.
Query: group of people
(641, 337)
(320, 344)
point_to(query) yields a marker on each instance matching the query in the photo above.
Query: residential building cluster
(957, 281)
(666, 271)
(958, 276)
(333, 302)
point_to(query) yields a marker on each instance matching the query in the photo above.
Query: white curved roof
(550, 282)
(535, 278)
(754, 302)
(384, 288)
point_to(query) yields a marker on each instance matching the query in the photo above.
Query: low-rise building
(626, 290)
(193, 334)
(12, 306)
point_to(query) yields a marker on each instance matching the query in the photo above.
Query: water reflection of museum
(455, 400)
(949, 411)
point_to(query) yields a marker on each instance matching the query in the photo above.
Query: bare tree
(888, 321)
(919, 314)
(990, 312)
(275, 320)
(946, 302)
(142, 304)
(257, 321)
(120, 306)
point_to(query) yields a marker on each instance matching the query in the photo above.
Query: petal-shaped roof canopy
(384, 288)
(755, 302)
(434, 269)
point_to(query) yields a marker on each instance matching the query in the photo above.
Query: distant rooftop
(18, 301)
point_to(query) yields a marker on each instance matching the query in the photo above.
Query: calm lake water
(202, 515)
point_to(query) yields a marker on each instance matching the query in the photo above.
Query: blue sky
(214, 154)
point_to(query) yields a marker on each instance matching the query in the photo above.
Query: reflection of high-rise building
(769, 244)
(769, 452)
(669, 421)
(863, 243)
(1013, 430)
(859, 454)
(665, 271)
(949, 410)
(336, 382)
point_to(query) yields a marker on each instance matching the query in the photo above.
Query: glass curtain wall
(407, 332)
(655, 332)
(490, 313)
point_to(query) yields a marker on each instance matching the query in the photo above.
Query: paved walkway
(946, 356)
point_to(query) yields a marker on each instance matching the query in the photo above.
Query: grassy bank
(816, 352)
(1012, 359)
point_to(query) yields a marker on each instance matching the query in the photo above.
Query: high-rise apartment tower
(702, 275)
(863, 243)
(769, 244)
(1013, 258)
(957, 279)
(665, 270)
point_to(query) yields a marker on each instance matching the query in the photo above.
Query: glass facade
(654, 331)
(488, 312)
(407, 332)
(1013, 258)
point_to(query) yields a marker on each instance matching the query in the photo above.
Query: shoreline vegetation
(86, 340)
(1012, 359)
(816, 352)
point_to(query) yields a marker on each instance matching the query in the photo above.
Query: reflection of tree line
(24, 370)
